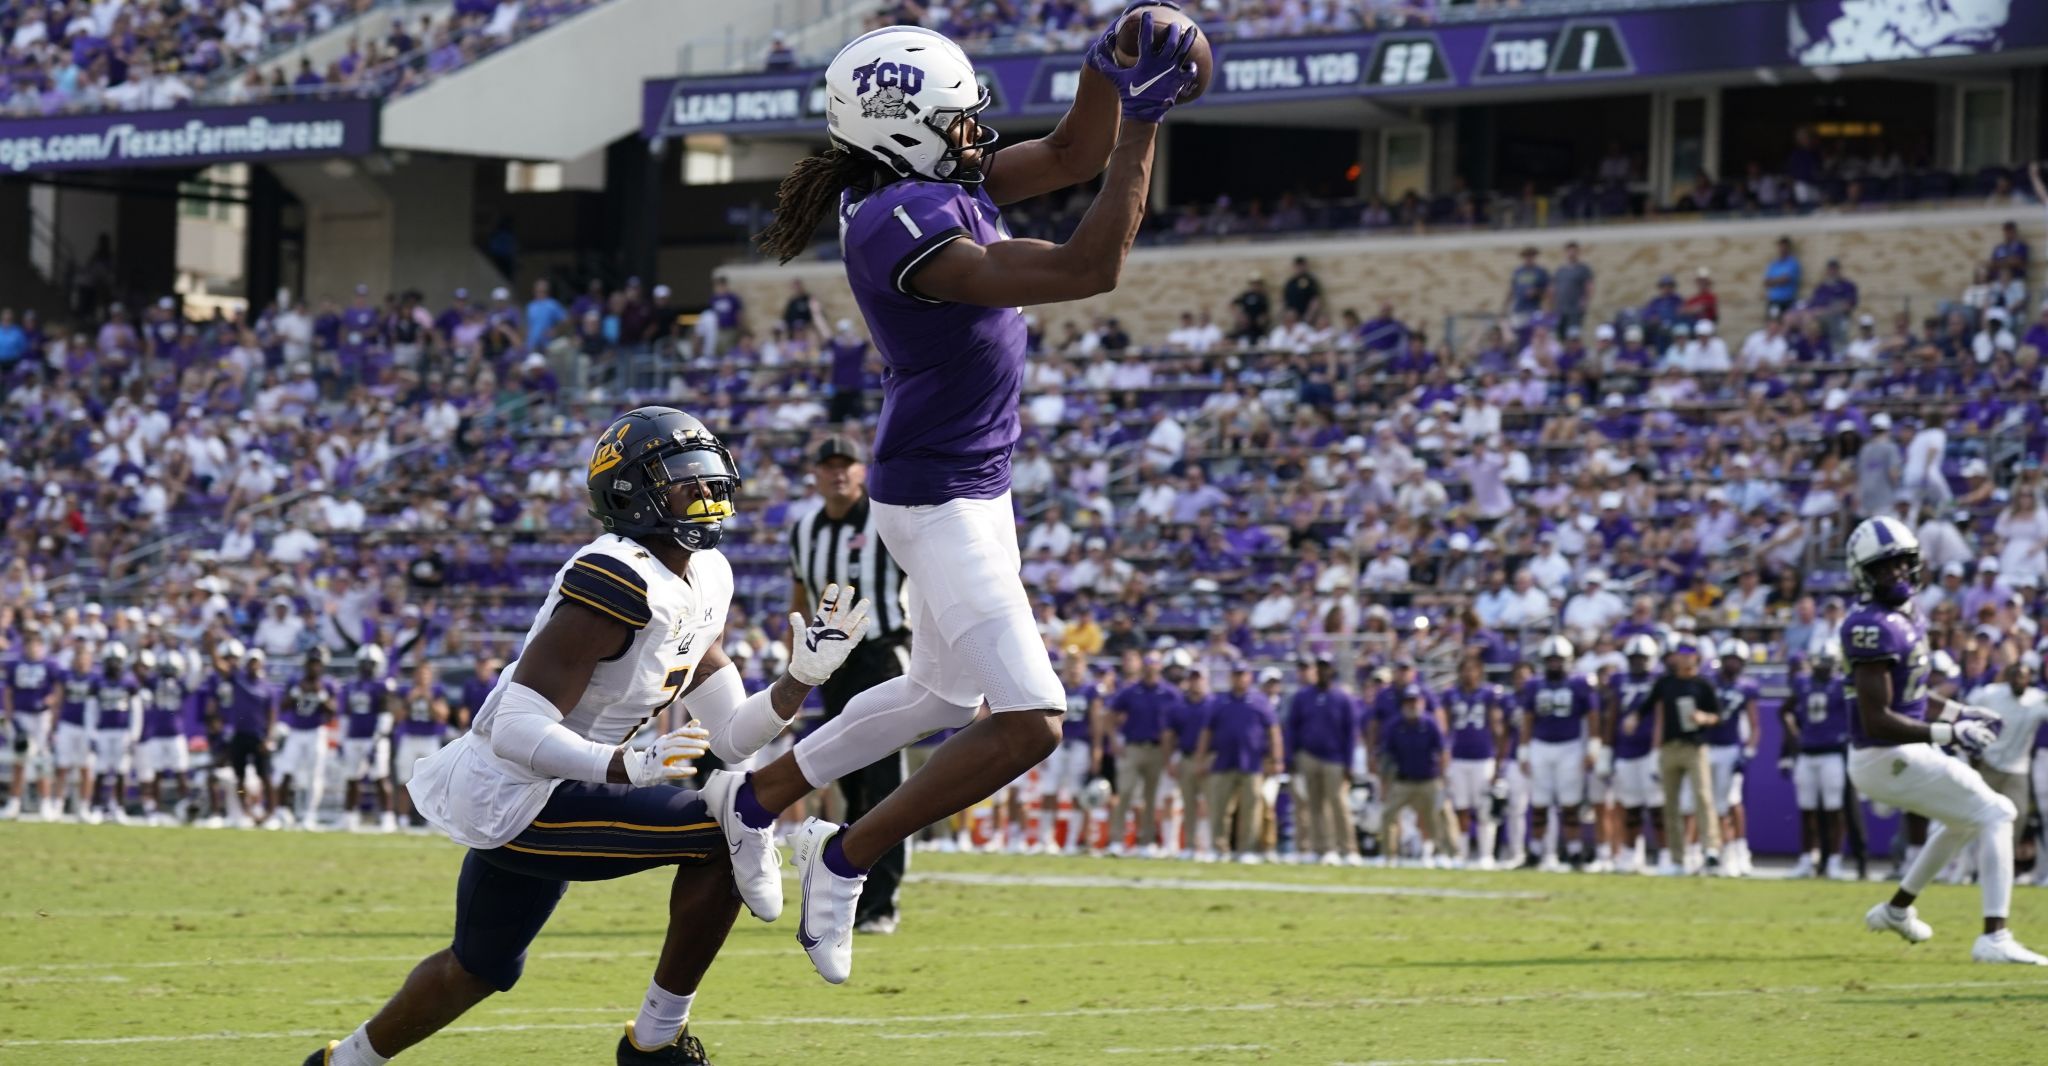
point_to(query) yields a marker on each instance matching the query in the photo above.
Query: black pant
(874, 662)
(847, 405)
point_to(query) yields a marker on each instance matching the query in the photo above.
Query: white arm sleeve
(527, 730)
(740, 724)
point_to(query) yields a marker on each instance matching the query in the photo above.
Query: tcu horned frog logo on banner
(885, 89)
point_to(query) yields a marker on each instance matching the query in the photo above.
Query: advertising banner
(188, 136)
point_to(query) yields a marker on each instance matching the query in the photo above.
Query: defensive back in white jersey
(481, 800)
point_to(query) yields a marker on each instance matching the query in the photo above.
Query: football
(1165, 22)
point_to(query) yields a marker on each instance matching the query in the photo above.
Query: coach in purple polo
(1138, 714)
(1322, 730)
(1243, 738)
(1417, 756)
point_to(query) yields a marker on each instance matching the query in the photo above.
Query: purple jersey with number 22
(953, 371)
(1873, 633)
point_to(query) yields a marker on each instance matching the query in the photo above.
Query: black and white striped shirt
(823, 550)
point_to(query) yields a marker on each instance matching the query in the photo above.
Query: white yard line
(1182, 1049)
(886, 1021)
(1421, 1062)
(999, 1034)
(737, 953)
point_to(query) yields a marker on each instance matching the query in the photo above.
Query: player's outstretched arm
(1018, 272)
(1874, 712)
(740, 725)
(1075, 151)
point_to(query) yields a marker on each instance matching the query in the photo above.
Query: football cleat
(323, 1056)
(882, 926)
(1906, 923)
(756, 862)
(2002, 947)
(684, 1050)
(825, 914)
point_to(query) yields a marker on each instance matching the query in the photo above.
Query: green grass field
(186, 946)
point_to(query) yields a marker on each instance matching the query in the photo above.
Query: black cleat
(323, 1056)
(686, 1050)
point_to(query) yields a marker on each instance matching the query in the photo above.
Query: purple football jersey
(1628, 691)
(1823, 713)
(1737, 697)
(1471, 726)
(1873, 633)
(416, 713)
(1074, 725)
(307, 703)
(361, 702)
(164, 714)
(954, 371)
(30, 681)
(1558, 708)
(114, 693)
(77, 693)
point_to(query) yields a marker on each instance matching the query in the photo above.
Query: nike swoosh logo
(1148, 83)
(803, 924)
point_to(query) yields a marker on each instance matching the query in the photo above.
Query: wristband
(1941, 734)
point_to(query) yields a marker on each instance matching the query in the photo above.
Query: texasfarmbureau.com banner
(183, 137)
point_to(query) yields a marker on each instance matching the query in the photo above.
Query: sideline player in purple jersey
(366, 702)
(1478, 734)
(116, 714)
(941, 284)
(1555, 746)
(1816, 755)
(163, 752)
(1730, 745)
(1629, 736)
(71, 741)
(1895, 757)
(308, 705)
(31, 694)
(1065, 773)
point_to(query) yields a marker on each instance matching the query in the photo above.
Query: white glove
(1969, 734)
(669, 757)
(818, 649)
(1965, 712)
(1603, 761)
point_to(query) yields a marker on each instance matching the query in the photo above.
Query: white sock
(356, 1050)
(661, 1017)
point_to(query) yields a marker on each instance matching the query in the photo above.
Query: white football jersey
(481, 800)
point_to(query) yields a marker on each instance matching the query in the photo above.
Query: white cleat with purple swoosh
(825, 915)
(756, 862)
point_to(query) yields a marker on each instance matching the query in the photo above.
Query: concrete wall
(569, 90)
(1894, 257)
(410, 227)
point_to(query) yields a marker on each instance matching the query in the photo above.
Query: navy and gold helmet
(647, 453)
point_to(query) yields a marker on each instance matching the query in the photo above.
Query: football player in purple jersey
(1816, 754)
(1730, 745)
(1560, 722)
(1895, 755)
(30, 691)
(1630, 733)
(940, 282)
(1478, 735)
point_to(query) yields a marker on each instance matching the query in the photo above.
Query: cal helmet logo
(885, 88)
(609, 452)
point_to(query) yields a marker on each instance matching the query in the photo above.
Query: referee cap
(839, 447)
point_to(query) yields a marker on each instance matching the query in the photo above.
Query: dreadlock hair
(807, 195)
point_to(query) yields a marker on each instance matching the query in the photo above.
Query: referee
(838, 543)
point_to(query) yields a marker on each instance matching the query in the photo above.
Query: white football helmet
(895, 94)
(114, 652)
(170, 662)
(1874, 541)
(372, 656)
(1641, 644)
(1734, 648)
(145, 660)
(1555, 647)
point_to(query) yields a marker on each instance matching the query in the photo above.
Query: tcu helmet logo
(892, 85)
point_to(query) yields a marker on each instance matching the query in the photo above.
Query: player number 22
(1863, 637)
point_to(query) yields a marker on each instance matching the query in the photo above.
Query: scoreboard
(1579, 48)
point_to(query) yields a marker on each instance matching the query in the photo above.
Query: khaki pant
(1238, 789)
(1325, 819)
(1426, 799)
(1192, 778)
(1137, 781)
(1684, 766)
(2014, 787)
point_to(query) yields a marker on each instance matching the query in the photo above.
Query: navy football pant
(585, 833)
